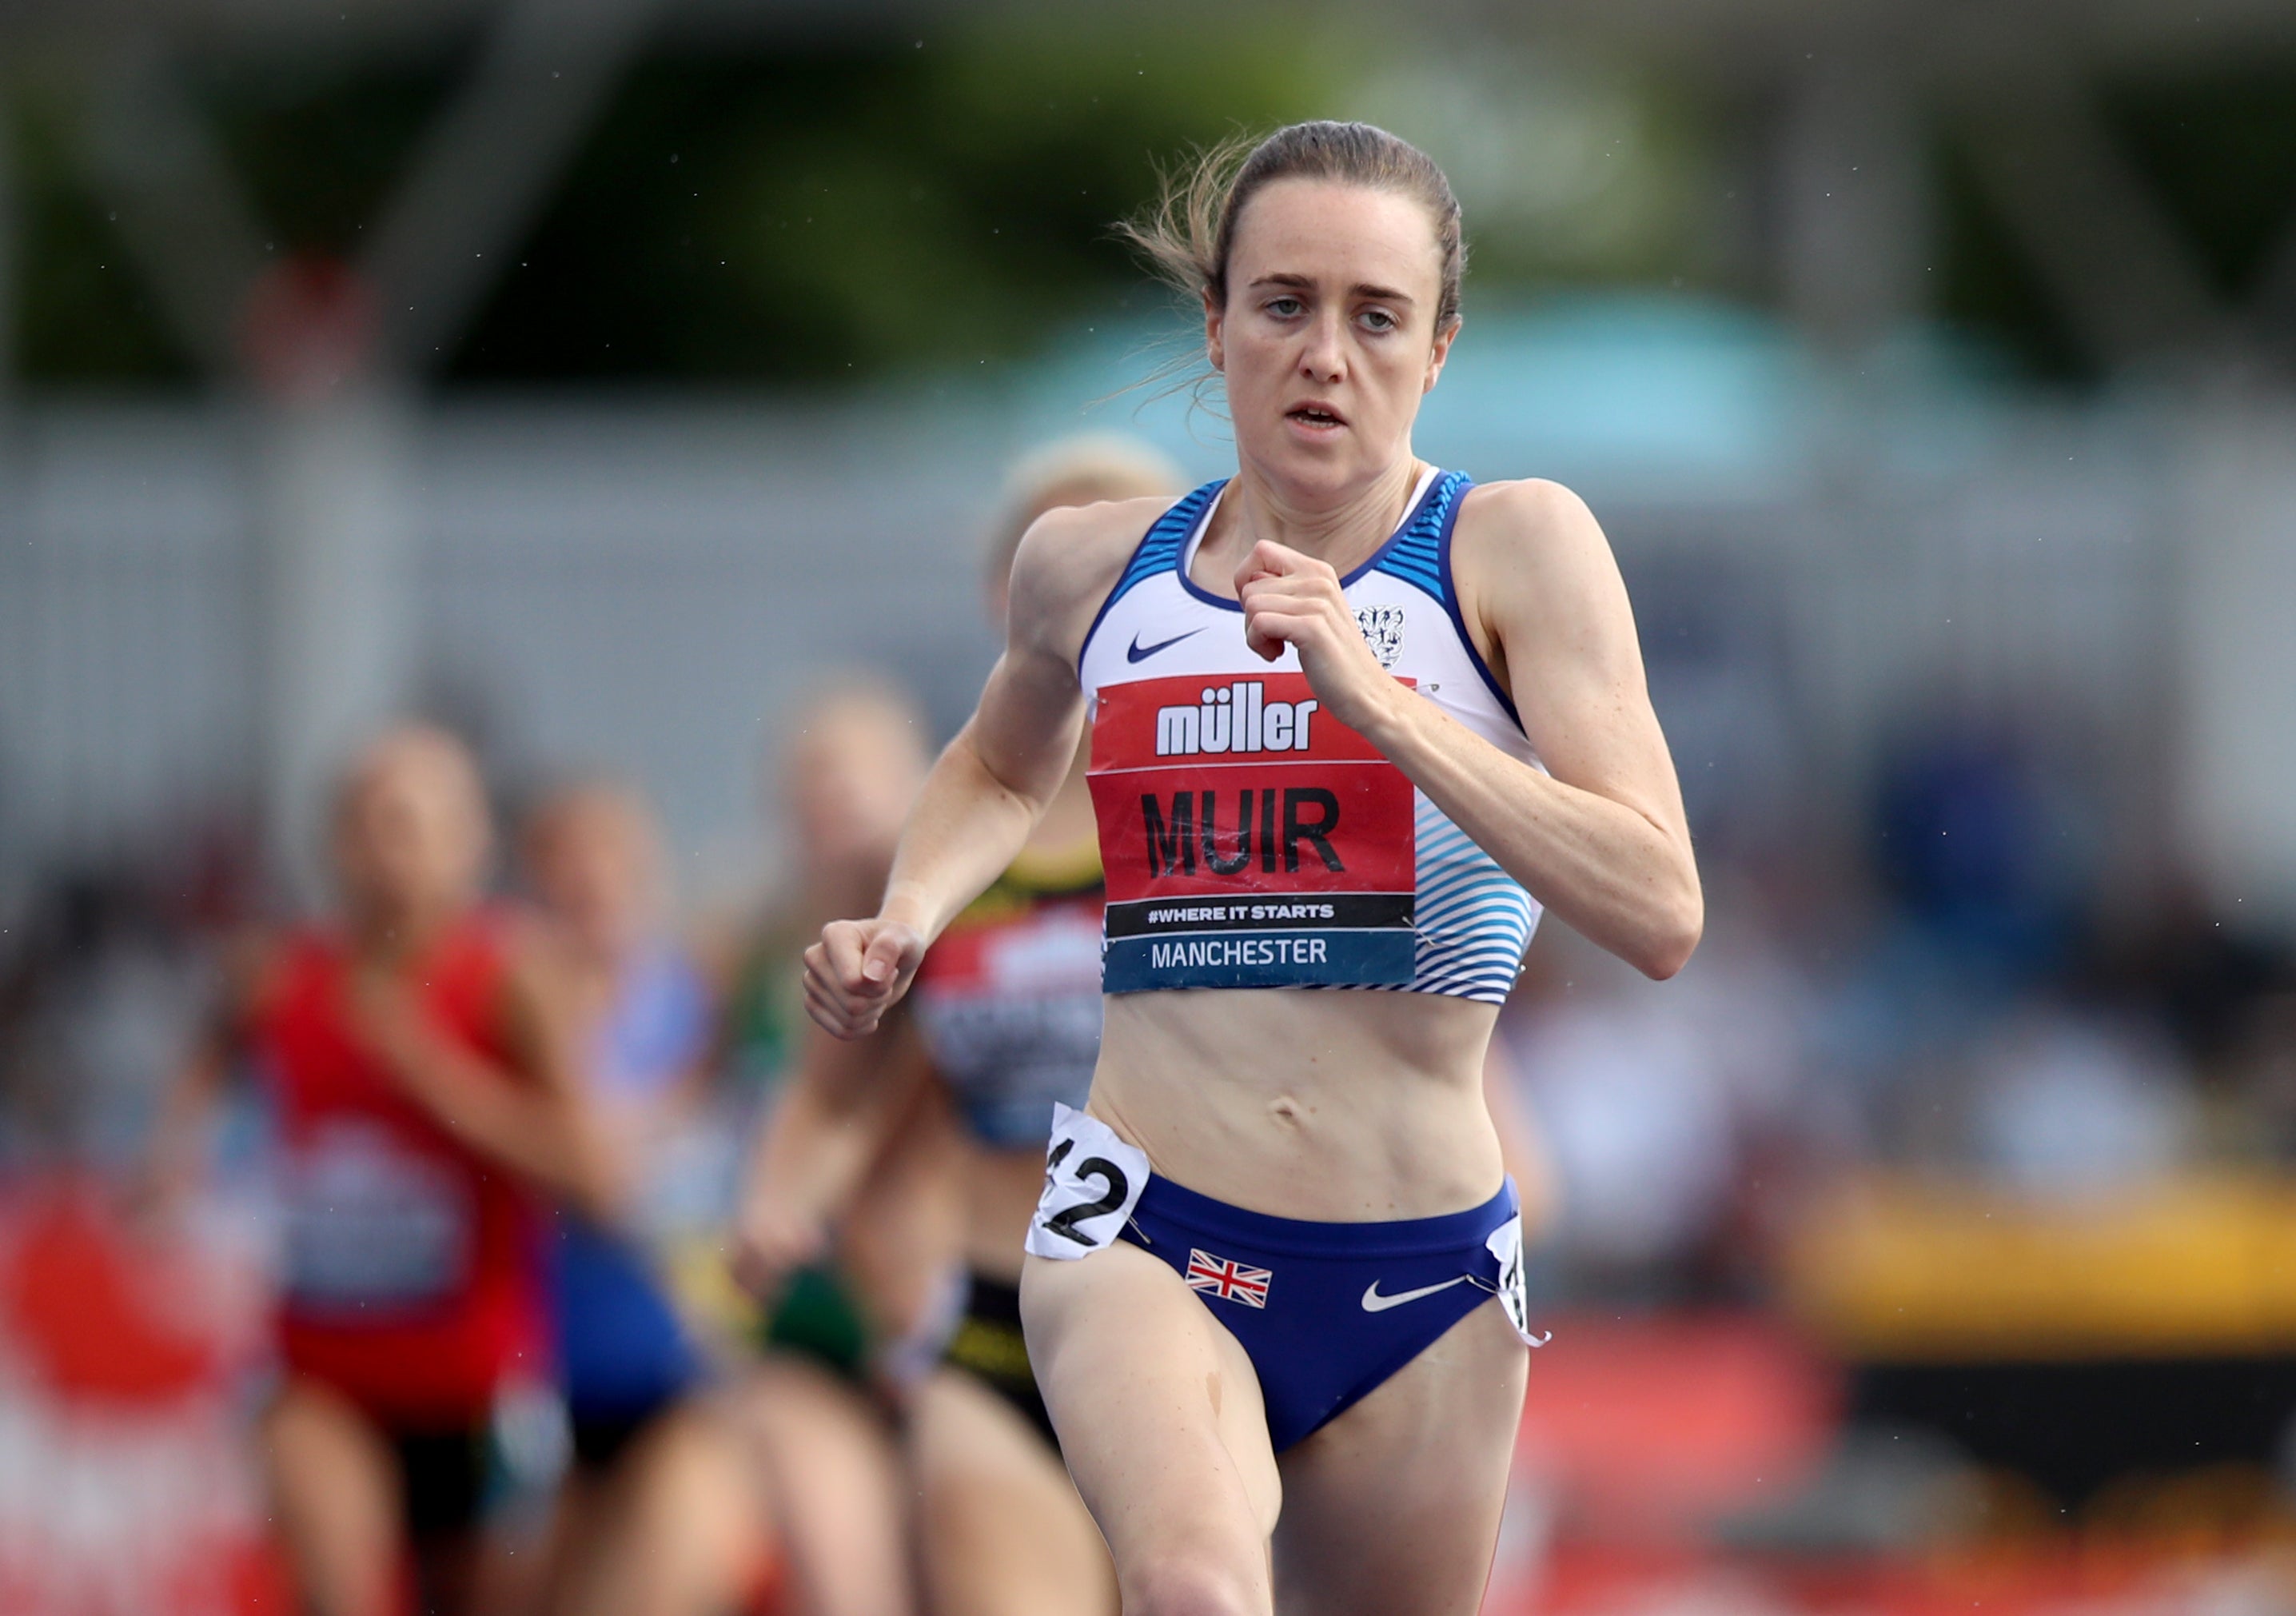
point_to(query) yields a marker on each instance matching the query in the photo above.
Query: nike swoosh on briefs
(1138, 652)
(1374, 1302)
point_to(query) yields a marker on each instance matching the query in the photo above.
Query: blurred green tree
(877, 205)
(849, 203)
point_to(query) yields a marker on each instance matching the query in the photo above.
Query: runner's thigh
(999, 1522)
(1159, 1418)
(1394, 1507)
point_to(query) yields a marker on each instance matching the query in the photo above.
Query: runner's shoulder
(1070, 558)
(1523, 513)
(1534, 535)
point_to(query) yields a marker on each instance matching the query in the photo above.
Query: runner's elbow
(1672, 936)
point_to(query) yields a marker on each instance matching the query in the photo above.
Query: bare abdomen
(1336, 1106)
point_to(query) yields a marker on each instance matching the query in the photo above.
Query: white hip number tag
(1093, 1180)
(1505, 1244)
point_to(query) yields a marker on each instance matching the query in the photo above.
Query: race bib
(1093, 1180)
(1513, 1288)
(1250, 840)
(1011, 1012)
(370, 1224)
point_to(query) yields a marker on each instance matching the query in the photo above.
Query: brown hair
(1190, 231)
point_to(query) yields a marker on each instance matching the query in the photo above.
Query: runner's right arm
(174, 1159)
(536, 1120)
(990, 786)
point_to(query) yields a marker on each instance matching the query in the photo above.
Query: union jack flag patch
(1228, 1280)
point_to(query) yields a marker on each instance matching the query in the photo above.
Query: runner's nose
(1324, 358)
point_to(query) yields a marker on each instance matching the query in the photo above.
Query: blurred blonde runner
(657, 1516)
(1007, 1023)
(1353, 719)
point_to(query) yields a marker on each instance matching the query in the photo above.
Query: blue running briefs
(1326, 1311)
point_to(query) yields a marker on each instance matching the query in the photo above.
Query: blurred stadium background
(606, 377)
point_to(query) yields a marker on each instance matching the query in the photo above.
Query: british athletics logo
(1228, 1279)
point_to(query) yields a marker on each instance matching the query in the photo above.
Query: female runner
(1005, 1022)
(657, 1514)
(1354, 721)
(847, 1318)
(428, 1093)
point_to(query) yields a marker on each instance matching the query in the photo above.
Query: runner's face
(1328, 339)
(854, 779)
(596, 867)
(410, 834)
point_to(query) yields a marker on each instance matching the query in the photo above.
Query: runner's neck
(398, 939)
(1346, 535)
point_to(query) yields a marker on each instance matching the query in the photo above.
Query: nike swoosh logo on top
(1138, 652)
(1374, 1302)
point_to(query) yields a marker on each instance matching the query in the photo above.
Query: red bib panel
(1250, 839)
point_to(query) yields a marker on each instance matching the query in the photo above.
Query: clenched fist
(1294, 600)
(857, 971)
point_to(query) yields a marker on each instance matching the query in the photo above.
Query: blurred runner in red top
(424, 1091)
(410, 1283)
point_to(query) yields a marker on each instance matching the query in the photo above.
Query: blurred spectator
(124, 1483)
(2068, 1102)
(98, 998)
(1978, 851)
(1655, 1101)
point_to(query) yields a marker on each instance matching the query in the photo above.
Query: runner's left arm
(1600, 837)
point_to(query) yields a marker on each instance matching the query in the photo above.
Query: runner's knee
(1186, 1585)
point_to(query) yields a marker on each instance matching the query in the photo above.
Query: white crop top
(1252, 840)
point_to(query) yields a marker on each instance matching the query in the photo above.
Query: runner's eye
(1285, 307)
(1377, 320)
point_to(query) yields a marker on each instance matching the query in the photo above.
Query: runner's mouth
(1315, 415)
